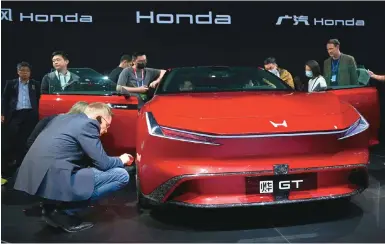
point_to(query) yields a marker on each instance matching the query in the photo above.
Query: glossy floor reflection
(362, 220)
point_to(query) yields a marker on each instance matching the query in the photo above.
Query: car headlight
(154, 129)
(358, 127)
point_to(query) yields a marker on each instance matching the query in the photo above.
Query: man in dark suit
(56, 166)
(19, 112)
(339, 69)
(61, 79)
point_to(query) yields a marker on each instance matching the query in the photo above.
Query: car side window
(84, 81)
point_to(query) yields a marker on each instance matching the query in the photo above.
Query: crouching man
(56, 166)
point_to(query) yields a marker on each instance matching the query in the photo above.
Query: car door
(121, 136)
(364, 97)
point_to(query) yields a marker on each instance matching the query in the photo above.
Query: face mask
(141, 65)
(309, 74)
(275, 72)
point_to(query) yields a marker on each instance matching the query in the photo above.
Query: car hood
(253, 112)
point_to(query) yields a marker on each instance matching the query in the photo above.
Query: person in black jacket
(19, 114)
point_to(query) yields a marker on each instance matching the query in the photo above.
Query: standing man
(271, 65)
(339, 69)
(19, 112)
(61, 79)
(125, 62)
(138, 78)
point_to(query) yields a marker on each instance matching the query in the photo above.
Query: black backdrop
(251, 37)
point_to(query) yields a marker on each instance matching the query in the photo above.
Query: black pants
(17, 131)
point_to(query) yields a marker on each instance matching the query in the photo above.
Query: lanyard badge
(140, 84)
(136, 76)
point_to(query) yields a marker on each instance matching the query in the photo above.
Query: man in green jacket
(339, 69)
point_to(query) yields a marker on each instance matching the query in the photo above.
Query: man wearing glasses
(19, 113)
(67, 166)
(138, 78)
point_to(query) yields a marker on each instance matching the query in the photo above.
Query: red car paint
(121, 136)
(215, 174)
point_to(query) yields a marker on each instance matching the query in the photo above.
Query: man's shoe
(46, 216)
(78, 227)
(70, 224)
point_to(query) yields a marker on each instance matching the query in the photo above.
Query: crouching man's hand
(127, 159)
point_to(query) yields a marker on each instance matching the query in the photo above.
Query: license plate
(279, 183)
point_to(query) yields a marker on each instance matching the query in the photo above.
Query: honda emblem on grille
(284, 124)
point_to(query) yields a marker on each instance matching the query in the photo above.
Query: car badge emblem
(277, 124)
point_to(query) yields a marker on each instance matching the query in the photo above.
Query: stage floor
(363, 220)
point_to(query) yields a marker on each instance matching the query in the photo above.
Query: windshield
(220, 79)
(85, 81)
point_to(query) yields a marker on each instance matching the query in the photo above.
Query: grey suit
(55, 167)
(51, 84)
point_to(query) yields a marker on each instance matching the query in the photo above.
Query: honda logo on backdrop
(6, 14)
(169, 19)
(306, 21)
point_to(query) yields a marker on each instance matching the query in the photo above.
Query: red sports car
(238, 136)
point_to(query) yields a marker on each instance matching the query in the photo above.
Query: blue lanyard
(335, 66)
(136, 76)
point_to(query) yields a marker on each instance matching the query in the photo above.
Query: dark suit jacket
(347, 71)
(55, 166)
(51, 84)
(9, 98)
